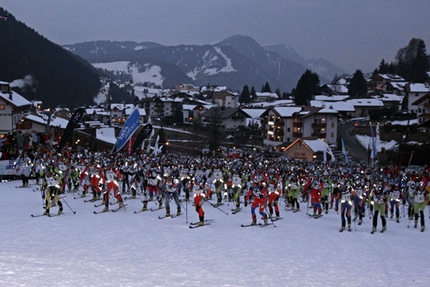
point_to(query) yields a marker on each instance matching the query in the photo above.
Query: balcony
(319, 125)
(297, 124)
(297, 134)
(319, 135)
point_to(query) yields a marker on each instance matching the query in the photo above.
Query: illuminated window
(2, 107)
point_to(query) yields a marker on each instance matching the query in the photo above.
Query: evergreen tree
(307, 87)
(266, 88)
(245, 95)
(412, 61)
(357, 86)
(253, 94)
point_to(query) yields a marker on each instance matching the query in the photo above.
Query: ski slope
(128, 249)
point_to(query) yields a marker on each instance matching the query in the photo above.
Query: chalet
(309, 150)
(379, 81)
(12, 106)
(228, 118)
(265, 97)
(414, 92)
(362, 106)
(286, 124)
(422, 108)
(225, 99)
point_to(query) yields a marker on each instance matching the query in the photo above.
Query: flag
(330, 152)
(127, 131)
(142, 135)
(71, 126)
(372, 140)
(344, 151)
(378, 137)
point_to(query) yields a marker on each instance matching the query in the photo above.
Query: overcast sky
(351, 34)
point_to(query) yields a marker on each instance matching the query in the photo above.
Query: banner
(7, 167)
(144, 133)
(344, 152)
(128, 129)
(373, 142)
(71, 126)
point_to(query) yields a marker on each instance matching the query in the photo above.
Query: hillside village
(277, 123)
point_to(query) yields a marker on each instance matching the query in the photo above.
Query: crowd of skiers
(352, 190)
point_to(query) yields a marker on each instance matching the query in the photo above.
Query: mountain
(236, 61)
(59, 77)
(322, 67)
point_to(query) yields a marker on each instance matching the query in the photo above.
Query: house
(228, 118)
(62, 113)
(307, 149)
(414, 92)
(392, 101)
(286, 124)
(362, 106)
(265, 97)
(379, 81)
(158, 107)
(12, 106)
(422, 108)
(225, 99)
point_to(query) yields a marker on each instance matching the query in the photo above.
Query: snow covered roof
(419, 88)
(142, 112)
(14, 99)
(188, 107)
(106, 135)
(287, 111)
(254, 113)
(392, 77)
(334, 98)
(366, 102)
(391, 98)
(267, 94)
(317, 145)
(121, 106)
(54, 122)
(337, 106)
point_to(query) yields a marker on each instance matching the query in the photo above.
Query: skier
(274, 194)
(112, 175)
(259, 196)
(170, 187)
(199, 198)
(395, 196)
(316, 198)
(236, 187)
(345, 206)
(51, 184)
(378, 200)
(293, 192)
(419, 204)
(217, 183)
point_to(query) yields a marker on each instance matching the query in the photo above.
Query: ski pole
(214, 205)
(265, 207)
(186, 209)
(74, 212)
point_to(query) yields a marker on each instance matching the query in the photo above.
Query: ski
(259, 224)
(206, 221)
(98, 212)
(90, 200)
(156, 209)
(196, 226)
(296, 210)
(318, 216)
(234, 211)
(38, 215)
(275, 219)
(118, 208)
(140, 211)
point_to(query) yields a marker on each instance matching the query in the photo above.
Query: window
(2, 106)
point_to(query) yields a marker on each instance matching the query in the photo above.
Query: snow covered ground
(128, 249)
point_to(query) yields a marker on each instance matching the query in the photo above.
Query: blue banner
(128, 129)
(344, 152)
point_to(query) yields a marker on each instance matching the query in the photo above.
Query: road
(355, 150)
